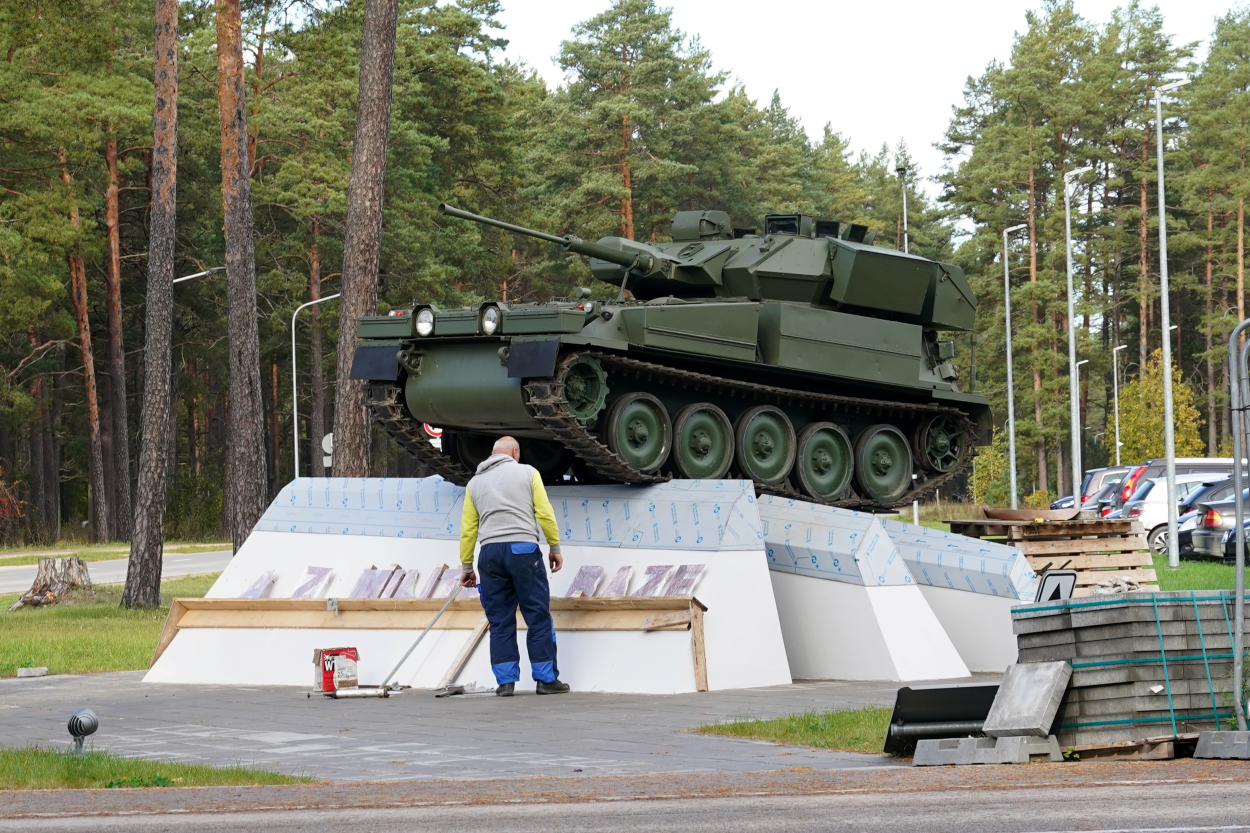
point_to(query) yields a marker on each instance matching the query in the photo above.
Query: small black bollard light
(82, 723)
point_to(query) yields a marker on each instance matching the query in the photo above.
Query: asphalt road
(1154, 807)
(113, 571)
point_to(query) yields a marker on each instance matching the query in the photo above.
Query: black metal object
(378, 363)
(937, 711)
(528, 359)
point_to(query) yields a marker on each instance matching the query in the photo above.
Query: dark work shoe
(505, 690)
(553, 687)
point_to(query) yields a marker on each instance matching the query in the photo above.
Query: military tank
(799, 356)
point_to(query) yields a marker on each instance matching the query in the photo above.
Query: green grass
(43, 769)
(88, 632)
(1194, 575)
(107, 554)
(850, 730)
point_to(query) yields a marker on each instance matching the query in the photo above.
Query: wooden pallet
(1150, 749)
(1097, 550)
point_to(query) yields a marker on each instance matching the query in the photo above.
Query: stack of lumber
(1097, 549)
(1144, 665)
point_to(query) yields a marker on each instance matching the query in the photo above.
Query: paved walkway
(113, 571)
(414, 736)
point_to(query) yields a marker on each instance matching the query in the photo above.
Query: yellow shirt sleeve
(468, 531)
(544, 513)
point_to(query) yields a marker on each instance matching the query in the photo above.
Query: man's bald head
(509, 446)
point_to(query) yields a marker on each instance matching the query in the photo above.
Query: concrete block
(32, 672)
(1224, 745)
(1027, 700)
(973, 751)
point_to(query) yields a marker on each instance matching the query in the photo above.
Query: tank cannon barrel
(569, 242)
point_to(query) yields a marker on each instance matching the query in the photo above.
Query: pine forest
(647, 123)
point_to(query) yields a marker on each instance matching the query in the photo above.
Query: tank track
(387, 404)
(545, 398)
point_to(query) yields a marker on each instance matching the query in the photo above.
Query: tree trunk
(627, 182)
(363, 241)
(143, 573)
(316, 380)
(95, 453)
(56, 449)
(1042, 478)
(54, 579)
(275, 428)
(245, 435)
(120, 463)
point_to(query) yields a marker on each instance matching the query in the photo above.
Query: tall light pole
(295, 380)
(1011, 387)
(902, 177)
(1115, 386)
(1165, 317)
(1074, 392)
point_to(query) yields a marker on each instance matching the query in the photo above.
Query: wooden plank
(1091, 562)
(1087, 578)
(1083, 592)
(656, 621)
(176, 612)
(458, 663)
(405, 605)
(696, 644)
(1074, 529)
(1145, 750)
(603, 619)
(1128, 543)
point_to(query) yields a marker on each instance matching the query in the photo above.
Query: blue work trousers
(513, 575)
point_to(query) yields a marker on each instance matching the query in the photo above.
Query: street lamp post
(295, 380)
(199, 274)
(902, 176)
(1011, 388)
(1074, 392)
(1115, 386)
(1169, 435)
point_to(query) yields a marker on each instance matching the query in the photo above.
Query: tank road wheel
(823, 465)
(639, 430)
(764, 437)
(468, 448)
(882, 463)
(585, 389)
(940, 443)
(550, 458)
(703, 442)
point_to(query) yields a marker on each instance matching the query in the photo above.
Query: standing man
(504, 507)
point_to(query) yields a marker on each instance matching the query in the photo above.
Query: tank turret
(798, 258)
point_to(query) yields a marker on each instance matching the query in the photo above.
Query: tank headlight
(425, 322)
(490, 320)
(587, 307)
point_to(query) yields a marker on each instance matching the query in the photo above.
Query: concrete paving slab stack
(1144, 665)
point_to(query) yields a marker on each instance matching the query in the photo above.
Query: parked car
(1149, 505)
(1213, 466)
(1104, 499)
(1214, 537)
(1094, 482)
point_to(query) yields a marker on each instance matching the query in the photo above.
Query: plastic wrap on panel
(828, 542)
(687, 514)
(944, 559)
(384, 507)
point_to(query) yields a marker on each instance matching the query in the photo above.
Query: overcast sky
(849, 64)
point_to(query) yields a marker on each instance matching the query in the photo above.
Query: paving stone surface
(414, 736)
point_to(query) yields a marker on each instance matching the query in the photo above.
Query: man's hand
(468, 579)
(557, 561)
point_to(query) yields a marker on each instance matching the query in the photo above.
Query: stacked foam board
(1144, 665)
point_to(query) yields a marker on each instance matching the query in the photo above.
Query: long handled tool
(384, 690)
